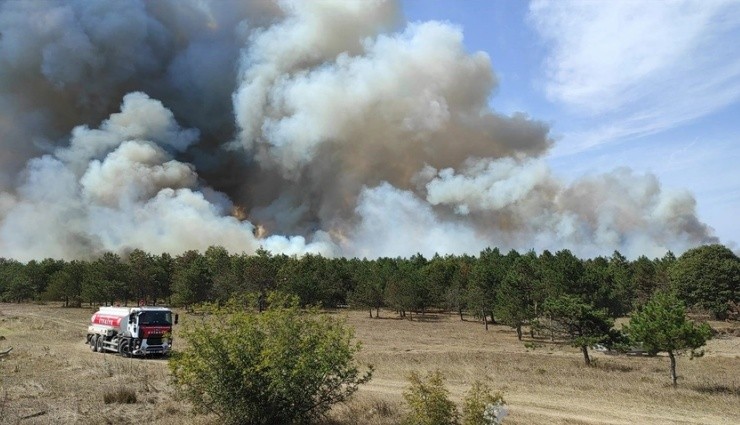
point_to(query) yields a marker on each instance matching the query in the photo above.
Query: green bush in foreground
(283, 365)
(428, 401)
(481, 407)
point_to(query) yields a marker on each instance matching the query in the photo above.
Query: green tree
(663, 267)
(644, 280)
(579, 323)
(141, 279)
(422, 294)
(164, 273)
(455, 295)
(191, 282)
(515, 304)
(223, 276)
(621, 292)
(66, 284)
(404, 289)
(563, 273)
(606, 284)
(313, 278)
(283, 366)
(436, 276)
(18, 286)
(369, 286)
(57, 288)
(257, 274)
(486, 276)
(708, 277)
(36, 276)
(106, 279)
(661, 326)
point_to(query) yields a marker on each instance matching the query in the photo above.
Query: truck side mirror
(176, 317)
(131, 319)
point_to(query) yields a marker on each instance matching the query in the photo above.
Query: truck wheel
(99, 345)
(124, 349)
(93, 342)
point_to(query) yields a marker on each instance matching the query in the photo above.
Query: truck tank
(114, 318)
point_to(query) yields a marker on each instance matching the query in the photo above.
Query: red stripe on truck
(107, 320)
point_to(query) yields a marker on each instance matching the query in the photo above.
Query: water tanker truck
(131, 331)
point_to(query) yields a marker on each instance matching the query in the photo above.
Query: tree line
(511, 288)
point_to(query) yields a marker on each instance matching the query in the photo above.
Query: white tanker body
(131, 331)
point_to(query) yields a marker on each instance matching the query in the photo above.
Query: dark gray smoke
(329, 127)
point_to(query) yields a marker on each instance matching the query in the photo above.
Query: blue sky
(653, 86)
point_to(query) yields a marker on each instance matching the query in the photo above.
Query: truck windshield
(155, 318)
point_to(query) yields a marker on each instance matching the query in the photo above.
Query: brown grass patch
(120, 395)
(51, 369)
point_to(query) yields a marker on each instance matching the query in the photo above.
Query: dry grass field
(51, 376)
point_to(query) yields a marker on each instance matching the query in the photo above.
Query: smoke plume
(328, 127)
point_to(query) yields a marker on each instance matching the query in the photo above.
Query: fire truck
(131, 331)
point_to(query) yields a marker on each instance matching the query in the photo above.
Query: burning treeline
(331, 127)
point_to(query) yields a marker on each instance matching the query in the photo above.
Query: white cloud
(638, 67)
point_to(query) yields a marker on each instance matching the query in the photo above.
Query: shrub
(481, 407)
(282, 366)
(428, 401)
(120, 395)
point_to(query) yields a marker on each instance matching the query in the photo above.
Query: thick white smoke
(330, 122)
(117, 188)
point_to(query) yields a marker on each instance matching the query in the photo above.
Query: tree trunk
(371, 312)
(459, 311)
(377, 312)
(531, 331)
(493, 319)
(519, 332)
(674, 378)
(586, 358)
(485, 319)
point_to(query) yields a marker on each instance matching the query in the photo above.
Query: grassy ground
(52, 377)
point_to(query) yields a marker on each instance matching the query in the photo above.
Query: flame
(260, 232)
(239, 212)
(339, 234)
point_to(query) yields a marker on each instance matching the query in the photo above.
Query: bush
(428, 401)
(120, 395)
(282, 366)
(481, 407)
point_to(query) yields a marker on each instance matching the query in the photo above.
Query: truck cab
(150, 329)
